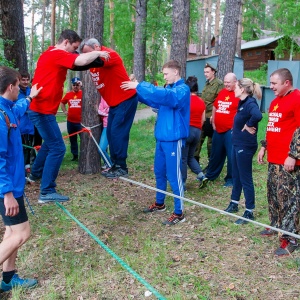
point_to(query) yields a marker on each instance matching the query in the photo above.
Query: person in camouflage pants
(283, 147)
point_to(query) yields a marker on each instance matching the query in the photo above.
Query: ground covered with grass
(207, 257)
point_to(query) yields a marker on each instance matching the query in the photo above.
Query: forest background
(207, 257)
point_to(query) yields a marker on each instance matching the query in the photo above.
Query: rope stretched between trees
(210, 207)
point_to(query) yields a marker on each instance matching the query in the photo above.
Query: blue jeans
(221, 148)
(119, 122)
(51, 154)
(242, 174)
(103, 144)
(72, 128)
(188, 151)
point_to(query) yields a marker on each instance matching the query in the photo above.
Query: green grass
(198, 259)
(259, 76)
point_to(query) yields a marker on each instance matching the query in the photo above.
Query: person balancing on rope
(12, 179)
(171, 130)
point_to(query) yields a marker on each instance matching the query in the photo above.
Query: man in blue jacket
(26, 127)
(171, 130)
(12, 180)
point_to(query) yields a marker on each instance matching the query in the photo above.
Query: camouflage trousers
(283, 189)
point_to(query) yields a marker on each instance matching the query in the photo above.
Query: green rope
(26, 146)
(108, 250)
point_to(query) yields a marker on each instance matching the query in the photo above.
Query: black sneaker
(247, 215)
(232, 208)
(115, 172)
(174, 219)
(203, 182)
(288, 245)
(75, 158)
(268, 232)
(154, 207)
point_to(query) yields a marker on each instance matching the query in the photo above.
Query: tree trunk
(140, 40)
(89, 159)
(12, 25)
(111, 25)
(53, 5)
(31, 41)
(239, 33)
(180, 32)
(43, 25)
(217, 26)
(229, 37)
(203, 35)
(209, 21)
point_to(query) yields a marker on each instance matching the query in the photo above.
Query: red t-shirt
(109, 78)
(74, 106)
(284, 119)
(50, 73)
(197, 107)
(226, 105)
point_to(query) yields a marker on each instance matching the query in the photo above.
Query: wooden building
(257, 53)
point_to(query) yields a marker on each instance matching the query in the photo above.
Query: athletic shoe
(75, 158)
(154, 207)
(288, 245)
(268, 232)
(105, 167)
(52, 197)
(248, 215)
(203, 182)
(31, 179)
(174, 219)
(115, 172)
(228, 184)
(232, 208)
(16, 282)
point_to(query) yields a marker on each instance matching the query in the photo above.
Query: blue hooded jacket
(173, 104)
(25, 125)
(12, 178)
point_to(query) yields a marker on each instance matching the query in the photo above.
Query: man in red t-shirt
(123, 104)
(283, 152)
(50, 73)
(73, 99)
(224, 109)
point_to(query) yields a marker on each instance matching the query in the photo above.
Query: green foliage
(159, 28)
(259, 75)
(285, 46)
(252, 18)
(123, 15)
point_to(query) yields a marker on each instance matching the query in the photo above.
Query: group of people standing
(229, 117)
(235, 118)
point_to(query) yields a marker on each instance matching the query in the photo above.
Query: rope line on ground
(297, 236)
(210, 207)
(115, 256)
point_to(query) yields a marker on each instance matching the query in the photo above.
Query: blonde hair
(251, 88)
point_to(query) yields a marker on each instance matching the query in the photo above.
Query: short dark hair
(7, 76)
(284, 74)
(69, 35)
(173, 64)
(192, 83)
(24, 74)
